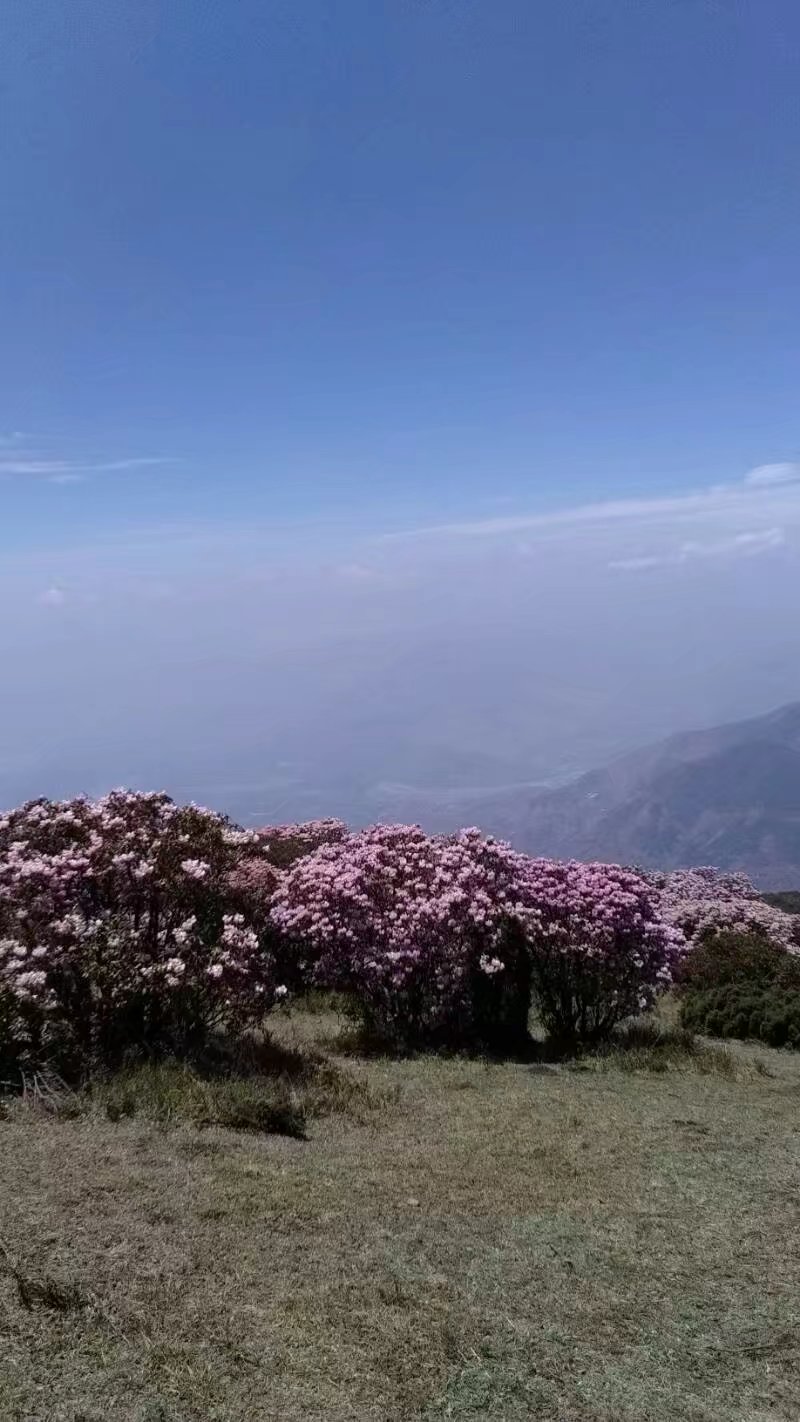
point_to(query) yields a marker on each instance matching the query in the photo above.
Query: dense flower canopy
(386, 910)
(600, 946)
(133, 909)
(703, 902)
(408, 919)
(602, 910)
(122, 900)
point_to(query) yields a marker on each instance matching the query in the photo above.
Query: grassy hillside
(498, 1241)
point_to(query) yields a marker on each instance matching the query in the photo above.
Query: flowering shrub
(415, 926)
(441, 937)
(705, 902)
(600, 949)
(118, 931)
(132, 923)
(251, 885)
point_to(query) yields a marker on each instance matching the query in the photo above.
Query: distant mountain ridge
(728, 796)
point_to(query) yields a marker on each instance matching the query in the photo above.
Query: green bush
(739, 958)
(763, 1012)
(647, 1045)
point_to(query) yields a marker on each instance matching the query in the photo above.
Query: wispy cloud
(609, 511)
(757, 541)
(635, 565)
(114, 465)
(766, 488)
(740, 545)
(766, 476)
(17, 465)
(67, 471)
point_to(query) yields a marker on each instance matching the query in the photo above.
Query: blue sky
(279, 280)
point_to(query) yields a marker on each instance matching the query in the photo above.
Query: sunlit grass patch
(509, 1239)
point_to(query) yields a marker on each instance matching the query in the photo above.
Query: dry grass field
(455, 1239)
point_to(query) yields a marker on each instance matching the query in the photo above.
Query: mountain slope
(728, 796)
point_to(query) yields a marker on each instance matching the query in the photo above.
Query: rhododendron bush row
(131, 923)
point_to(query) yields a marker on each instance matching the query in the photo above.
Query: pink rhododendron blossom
(405, 921)
(112, 912)
(131, 914)
(601, 947)
(401, 918)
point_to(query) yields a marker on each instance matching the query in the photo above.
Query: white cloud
(758, 541)
(766, 476)
(723, 513)
(232, 644)
(118, 464)
(50, 467)
(739, 545)
(635, 565)
(66, 471)
(610, 511)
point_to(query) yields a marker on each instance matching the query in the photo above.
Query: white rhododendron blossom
(704, 902)
(195, 868)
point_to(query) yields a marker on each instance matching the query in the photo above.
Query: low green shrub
(763, 1012)
(742, 985)
(739, 958)
(647, 1045)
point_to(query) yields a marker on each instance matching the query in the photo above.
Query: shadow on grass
(644, 1045)
(358, 1042)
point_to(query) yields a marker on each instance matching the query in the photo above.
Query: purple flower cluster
(704, 902)
(117, 910)
(600, 947)
(124, 916)
(400, 918)
(414, 925)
